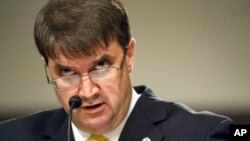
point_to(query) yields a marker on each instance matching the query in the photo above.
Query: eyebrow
(104, 57)
(59, 67)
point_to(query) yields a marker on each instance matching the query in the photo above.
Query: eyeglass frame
(51, 80)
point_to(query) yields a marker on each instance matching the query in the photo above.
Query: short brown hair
(80, 26)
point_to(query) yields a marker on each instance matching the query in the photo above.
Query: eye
(102, 64)
(66, 71)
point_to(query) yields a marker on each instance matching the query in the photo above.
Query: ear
(43, 60)
(130, 55)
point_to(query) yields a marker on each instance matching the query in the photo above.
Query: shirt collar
(114, 134)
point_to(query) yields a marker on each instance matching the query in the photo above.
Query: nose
(88, 88)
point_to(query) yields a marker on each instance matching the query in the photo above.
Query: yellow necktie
(97, 138)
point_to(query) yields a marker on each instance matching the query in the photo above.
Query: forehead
(114, 49)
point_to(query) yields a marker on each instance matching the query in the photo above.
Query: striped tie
(97, 138)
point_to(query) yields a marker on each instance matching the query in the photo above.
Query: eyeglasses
(99, 76)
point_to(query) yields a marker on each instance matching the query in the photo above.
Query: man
(88, 52)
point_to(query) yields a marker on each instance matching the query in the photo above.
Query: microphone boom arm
(74, 102)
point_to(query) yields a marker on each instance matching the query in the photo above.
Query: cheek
(64, 96)
(120, 89)
(114, 96)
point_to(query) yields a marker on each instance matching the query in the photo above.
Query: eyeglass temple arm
(47, 76)
(125, 52)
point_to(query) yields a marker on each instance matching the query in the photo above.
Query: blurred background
(196, 52)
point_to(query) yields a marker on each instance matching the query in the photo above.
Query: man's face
(104, 105)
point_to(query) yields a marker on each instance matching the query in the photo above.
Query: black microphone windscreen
(75, 102)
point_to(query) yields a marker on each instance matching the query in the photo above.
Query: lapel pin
(146, 139)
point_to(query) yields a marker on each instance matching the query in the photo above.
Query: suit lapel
(143, 120)
(138, 128)
(56, 127)
(61, 135)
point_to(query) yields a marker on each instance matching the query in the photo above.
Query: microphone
(74, 102)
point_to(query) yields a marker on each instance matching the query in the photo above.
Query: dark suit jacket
(151, 117)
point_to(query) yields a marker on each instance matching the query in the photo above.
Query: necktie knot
(97, 138)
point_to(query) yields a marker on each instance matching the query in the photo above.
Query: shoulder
(39, 117)
(28, 124)
(180, 121)
(150, 102)
(185, 123)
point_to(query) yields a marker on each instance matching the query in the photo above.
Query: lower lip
(94, 109)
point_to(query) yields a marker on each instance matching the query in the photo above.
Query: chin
(98, 125)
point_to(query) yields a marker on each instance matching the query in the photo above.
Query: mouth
(91, 107)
